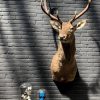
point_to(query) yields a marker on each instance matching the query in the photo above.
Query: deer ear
(55, 24)
(81, 24)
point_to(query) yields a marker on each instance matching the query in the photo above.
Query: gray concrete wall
(27, 44)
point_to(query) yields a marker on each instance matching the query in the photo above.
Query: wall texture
(27, 44)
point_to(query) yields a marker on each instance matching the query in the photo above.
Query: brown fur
(63, 65)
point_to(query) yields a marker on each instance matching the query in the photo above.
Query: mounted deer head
(63, 65)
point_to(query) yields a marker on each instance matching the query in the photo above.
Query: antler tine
(58, 17)
(73, 16)
(44, 9)
(47, 11)
(82, 12)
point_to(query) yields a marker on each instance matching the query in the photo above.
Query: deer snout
(62, 37)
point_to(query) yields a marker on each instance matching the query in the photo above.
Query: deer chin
(64, 41)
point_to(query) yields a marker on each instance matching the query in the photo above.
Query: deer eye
(59, 27)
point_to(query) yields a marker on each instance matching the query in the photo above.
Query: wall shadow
(76, 90)
(94, 16)
(53, 11)
(17, 62)
(35, 52)
(95, 34)
(10, 63)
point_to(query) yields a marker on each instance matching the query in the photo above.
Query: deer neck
(66, 50)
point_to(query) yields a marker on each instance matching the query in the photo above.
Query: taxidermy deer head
(63, 65)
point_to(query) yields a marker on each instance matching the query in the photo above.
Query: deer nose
(62, 37)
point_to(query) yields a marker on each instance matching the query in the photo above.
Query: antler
(47, 11)
(81, 13)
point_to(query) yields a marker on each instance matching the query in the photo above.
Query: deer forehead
(65, 27)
